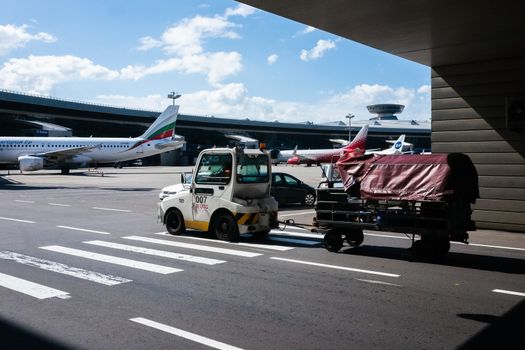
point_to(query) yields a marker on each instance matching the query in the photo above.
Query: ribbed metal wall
(468, 116)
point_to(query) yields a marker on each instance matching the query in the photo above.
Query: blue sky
(225, 58)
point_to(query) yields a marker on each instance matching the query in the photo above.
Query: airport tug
(229, 195)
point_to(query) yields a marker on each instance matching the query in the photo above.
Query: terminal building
(30, 115)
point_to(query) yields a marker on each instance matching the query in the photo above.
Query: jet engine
(294, 160)
(30, 163)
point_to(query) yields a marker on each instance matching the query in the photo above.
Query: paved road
(84, 265)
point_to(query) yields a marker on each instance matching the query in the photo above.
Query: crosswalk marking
(112, 209)
(83, 230)
(35, 290)
(184, 334)
(304, 234)
(17, 220)
(292, 240)
(194, 246)
(97, 277)
(155, 252)
(253, 245)
(113, 259)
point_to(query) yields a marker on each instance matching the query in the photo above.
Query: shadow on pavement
(14, 336)
(504, 332)
(463, 260)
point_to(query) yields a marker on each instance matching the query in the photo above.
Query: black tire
(225, 228)
(355, 238)
(309, 199)
(333, 241)
(174, 222)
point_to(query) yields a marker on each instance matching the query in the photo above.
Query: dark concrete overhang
(430, 32)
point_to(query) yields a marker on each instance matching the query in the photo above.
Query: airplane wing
(170, 144)
(65, 153)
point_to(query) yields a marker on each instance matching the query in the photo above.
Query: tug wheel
(355, 238)
(174, 222)
(225, 228)
(333, 240)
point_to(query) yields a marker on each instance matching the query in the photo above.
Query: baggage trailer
(426, 196)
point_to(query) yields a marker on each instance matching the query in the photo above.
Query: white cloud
(241, 10)
(424, 89)
(318, 51)
(148, 43)
(307, 30)
(272, 59)
(13, 37)
(234, 101)
(39, 74)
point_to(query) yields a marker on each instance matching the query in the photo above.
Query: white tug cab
(229, 195)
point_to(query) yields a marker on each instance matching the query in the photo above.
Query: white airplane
(396, 148)
(35, 153)
(318, 156)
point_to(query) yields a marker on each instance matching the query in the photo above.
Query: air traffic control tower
(385, 111)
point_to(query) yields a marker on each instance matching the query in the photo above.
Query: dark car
(287, 189)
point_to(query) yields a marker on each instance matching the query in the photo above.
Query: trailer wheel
(174, 222)
(225, 228)
(355, 238)
(333, 240)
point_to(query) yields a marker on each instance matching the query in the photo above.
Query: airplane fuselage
(98, 150)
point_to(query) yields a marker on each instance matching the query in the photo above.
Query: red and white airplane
(318, 156)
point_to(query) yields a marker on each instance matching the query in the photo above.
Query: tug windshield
(252, 168)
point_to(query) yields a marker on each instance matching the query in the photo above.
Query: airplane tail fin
(397, 147)
(164, 126)
(359, 141)
(294, 153)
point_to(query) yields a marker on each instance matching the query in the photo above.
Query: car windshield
(252, 168)
(214, 169)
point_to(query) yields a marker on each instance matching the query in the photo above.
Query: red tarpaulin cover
(428, 177)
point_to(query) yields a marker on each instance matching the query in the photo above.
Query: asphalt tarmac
(85, 265)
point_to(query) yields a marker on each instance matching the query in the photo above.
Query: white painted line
(97, 277)
(17, 220)
(83, 230)
(35, 290)
(155, 252)
(502, 291)
(297, 213)
(297, 234)
(59, 204)
(23, 201)
(458, 243)
(184, 334)
(379, 282)
(386, 236)
(111, 209)
(295, 241)
(490, 246)
(253, 245)
(194, 246)
(113, 259)
(337, 267)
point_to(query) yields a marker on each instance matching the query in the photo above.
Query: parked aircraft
(396, 148)
(35, 153)
(318, 156)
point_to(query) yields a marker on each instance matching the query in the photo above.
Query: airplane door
(139, 149)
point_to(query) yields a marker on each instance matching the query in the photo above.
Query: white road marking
(491, 246)
(59, 204)
(296, 241)
(337, 267)
(83, 230)
(35, 290)
(112, 209)
(379, 282)
(459, 243)
(17, 220)
(253, 245)
(113, 260)
(194, 246)
(23, 201)
(155, 252)
(502, 291)
(297, 234)
(97, 277)
(298, 213)
(184, 334)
